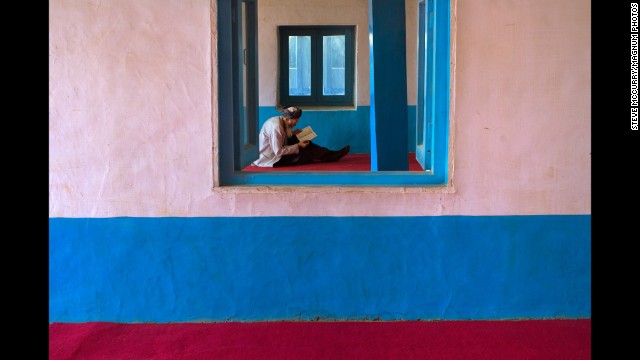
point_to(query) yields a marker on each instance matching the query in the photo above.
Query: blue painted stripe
(440, 139)
(339, 178)
(265, 268)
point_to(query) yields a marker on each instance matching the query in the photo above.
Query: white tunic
(272, 142)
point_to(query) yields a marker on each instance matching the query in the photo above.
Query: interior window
(315, 67)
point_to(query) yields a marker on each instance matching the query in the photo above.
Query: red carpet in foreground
(531, 339)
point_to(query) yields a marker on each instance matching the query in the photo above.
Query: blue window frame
(316, 65)
(234, 106)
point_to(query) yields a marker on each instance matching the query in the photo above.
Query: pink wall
(133, 110)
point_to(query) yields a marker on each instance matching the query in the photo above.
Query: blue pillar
(388, 79)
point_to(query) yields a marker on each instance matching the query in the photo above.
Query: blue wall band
(268, 268)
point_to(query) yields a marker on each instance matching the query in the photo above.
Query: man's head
(291, 114)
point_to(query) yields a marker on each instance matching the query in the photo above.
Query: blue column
(388, 79)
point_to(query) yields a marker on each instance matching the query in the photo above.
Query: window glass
(333, 62)
(300, 65)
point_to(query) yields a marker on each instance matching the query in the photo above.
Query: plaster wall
(133, 114)
(139, 232)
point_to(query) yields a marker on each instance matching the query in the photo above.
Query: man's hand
(303, 144)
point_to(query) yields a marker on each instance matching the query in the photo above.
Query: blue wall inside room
(337, 128)
(265, 268)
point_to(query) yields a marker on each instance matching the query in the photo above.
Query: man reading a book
(280, 146)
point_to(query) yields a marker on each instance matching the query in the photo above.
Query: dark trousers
(306, 155)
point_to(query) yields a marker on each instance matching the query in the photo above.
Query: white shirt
(272, 142)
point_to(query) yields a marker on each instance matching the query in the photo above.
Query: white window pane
(299, 65)
(333, 60)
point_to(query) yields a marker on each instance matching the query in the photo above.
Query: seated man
(279, 145)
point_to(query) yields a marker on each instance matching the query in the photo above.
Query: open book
(306, 134)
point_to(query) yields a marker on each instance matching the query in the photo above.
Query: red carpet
(531, 339)
(350, 162)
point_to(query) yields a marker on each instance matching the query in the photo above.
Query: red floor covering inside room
(530, 339)
(350, 162)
